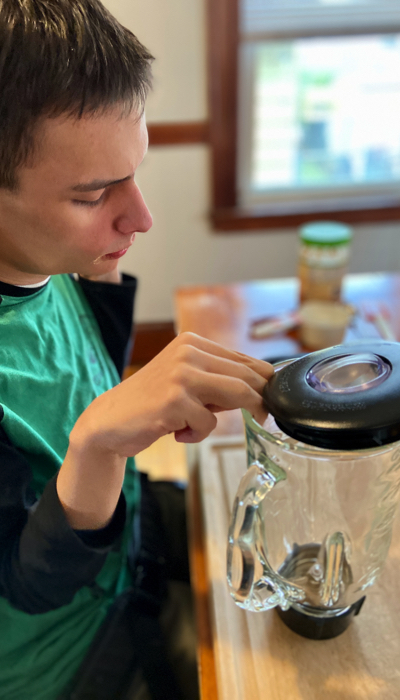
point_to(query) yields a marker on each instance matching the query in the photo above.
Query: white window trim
(266, 18)
(281, 200)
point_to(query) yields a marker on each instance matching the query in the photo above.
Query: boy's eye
(89, 203)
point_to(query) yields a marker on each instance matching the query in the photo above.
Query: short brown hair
(62, 57)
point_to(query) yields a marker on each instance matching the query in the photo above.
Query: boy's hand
(179, 391)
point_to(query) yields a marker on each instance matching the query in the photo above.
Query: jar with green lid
(323, 259)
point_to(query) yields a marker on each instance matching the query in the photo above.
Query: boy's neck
(21, 279)
(33, 286)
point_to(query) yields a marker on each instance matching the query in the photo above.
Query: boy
(73, 83)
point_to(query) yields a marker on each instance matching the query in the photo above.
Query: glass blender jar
(312, 520)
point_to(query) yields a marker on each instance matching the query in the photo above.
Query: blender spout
(335, 568)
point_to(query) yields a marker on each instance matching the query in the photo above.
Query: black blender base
(319, 627)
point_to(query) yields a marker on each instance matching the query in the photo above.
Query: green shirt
(53, 363)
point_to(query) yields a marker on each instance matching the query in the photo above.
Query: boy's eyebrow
(97, 184)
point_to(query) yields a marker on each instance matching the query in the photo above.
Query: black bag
(130, 643)
(111, 663)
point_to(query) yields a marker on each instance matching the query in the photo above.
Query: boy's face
(77, 207)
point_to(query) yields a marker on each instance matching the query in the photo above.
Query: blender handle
(253, 583)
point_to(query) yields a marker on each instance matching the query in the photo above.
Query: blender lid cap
(345, 397)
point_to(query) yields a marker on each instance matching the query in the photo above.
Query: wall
(181, 248)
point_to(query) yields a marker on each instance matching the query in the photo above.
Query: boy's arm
(179, 392)
(43, 561)
(44, 558)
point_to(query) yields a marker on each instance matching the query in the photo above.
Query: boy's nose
(136, 216)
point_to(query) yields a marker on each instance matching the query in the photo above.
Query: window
(305, 111)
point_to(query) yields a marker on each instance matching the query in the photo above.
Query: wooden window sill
(226, 219)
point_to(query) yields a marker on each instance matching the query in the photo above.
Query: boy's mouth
(115, 256)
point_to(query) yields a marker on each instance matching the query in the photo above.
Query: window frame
(223, 71)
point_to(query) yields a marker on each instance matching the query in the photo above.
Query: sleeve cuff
(60, 530)
(51, 561)
(106, 536)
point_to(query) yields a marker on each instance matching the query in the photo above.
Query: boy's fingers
(200, 421)
(228, 393)
(215, 365)
(210, 347)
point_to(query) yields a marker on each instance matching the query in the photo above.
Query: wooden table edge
(201, 591)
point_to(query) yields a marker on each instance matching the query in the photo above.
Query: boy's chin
(101, 269)
(98, 267)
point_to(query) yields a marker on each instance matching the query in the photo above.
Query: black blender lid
(343, 398)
